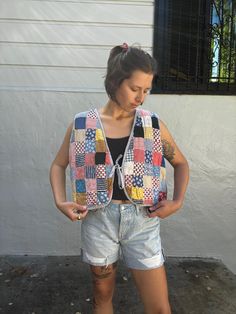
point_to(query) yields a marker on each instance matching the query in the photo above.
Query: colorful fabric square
(156, 171)
(91, 123)
(79, 147)
(79, 135)
(101, 184)
(79, 160)
(129, 155)
(80, 123)
(147, 182)
(102, 197)
(99, 135)
(100, 146)
(155, 123)
(81, 198)
(148, 133)
(100, 158)
(79, 172)
(129, 168)
(157, 158)
(90, 134)
(90, 172)
(89, 159)
(138, 169)
(148, 169)
(139, 143)
(148, 195)
(91, 185)
(148, 144)
(147, 121)
(80, 186)
(128, 180)
(108, 160)
(138, 121)
(90, 146)
(155, 195)
(157, 146)
(138, 131)
(138, 155)
(91, 199)
(138, 181)
(148, 156)
(101, 171)
(137, 193)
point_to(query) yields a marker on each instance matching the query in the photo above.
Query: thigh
(153, 289)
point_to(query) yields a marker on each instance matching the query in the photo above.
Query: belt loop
(137, 209)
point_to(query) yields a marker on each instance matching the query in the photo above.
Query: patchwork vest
(142, 174)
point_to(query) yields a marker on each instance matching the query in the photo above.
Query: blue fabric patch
(138, 121)
(90, 134)
(80, 186)
(148, 169)
(80, 123)
(156, 171)
(138, 181)
(79, 160)
(155, 195)
(90, 146)
(163, 163)
(148, 156)
(102, 197)
(101, 184)
(90, 172)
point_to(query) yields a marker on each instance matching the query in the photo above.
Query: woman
(116, 156)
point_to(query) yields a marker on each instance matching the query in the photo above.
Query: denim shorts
(121, 230)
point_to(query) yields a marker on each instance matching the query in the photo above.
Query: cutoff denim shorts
(121, 230)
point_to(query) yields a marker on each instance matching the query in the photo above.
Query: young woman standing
(117, 160)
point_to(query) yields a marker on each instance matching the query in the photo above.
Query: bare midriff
(121, 202)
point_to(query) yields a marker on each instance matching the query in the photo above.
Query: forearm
(181, 178)
(58, 183)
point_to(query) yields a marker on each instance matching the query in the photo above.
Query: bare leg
(103, 288)
(152, 286)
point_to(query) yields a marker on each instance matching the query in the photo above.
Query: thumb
(79, 207)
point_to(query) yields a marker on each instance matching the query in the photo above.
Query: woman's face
(132, 91)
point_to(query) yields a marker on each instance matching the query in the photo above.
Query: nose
(140, 97)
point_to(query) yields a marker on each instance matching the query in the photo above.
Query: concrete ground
(61, 285)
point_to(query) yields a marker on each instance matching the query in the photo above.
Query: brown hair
(122, 62)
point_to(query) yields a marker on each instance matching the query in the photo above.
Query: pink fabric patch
(90, 159)
(157, 158)
(138, 155)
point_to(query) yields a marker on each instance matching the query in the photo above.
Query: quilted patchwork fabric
(92, 168)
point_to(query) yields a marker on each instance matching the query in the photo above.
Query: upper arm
(171, 151)
(62, 157)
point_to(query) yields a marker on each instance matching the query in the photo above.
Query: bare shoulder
(171, 151)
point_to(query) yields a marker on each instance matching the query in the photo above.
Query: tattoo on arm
(168, 150)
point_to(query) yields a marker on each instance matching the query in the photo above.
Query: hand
(73, 210)
(164, 209)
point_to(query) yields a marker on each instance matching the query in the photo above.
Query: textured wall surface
(52, 61)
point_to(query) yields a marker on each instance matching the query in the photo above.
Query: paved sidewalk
(61, 285)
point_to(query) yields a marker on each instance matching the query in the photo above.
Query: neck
(116, 111)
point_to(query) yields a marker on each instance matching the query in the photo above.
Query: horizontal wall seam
(81, 23)
(51, 89)
(19, 65)
(124, 2)
(87, 46)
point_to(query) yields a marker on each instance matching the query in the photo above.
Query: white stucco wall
(48, 72)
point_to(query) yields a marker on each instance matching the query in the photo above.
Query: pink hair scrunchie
(125, 46)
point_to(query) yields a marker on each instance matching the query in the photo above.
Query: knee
(103, 284)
